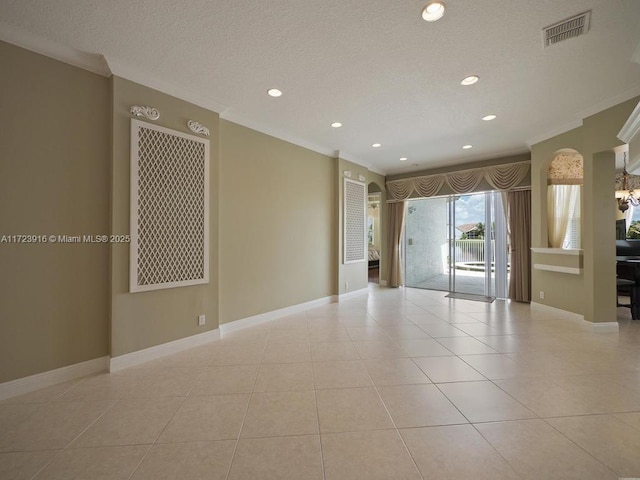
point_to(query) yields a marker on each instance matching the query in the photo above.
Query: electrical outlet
(542, 294)
(346, 285)
(201, 320)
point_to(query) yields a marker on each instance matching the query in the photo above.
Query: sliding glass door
(457, 244)
(427, 244)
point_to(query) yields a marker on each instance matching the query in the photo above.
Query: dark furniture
(628, 274)
(374, 257)
(621, 229)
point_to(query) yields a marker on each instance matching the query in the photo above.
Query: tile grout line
(315, 397)
(40, 404)
(474, 426)
(246, 412)
(395, 427)
(541, 348)
(60, 452)
(471, 423)
(517, 472)
(580, 447)
(184, 399)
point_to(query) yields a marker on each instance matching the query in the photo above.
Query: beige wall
(145, 319)
(65, 169)
(54, 180)
(594, 296)
(277, 223)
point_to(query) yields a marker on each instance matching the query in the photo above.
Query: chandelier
(626, 195)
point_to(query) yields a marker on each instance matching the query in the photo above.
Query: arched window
(564, 179)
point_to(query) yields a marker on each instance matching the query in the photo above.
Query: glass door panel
(449, 247)
(469, 258)
(426, 247)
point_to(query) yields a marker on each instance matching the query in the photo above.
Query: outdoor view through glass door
(458, 244)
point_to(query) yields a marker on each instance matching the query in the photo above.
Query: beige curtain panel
(395, 226)
(504, 177)
(428, 186)
(400, 190)
(520, 228)
(500, 177)
(562, 201)
(465, 182)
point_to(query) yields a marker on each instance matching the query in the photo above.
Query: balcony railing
(471, 250)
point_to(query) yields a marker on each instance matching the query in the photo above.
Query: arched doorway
(374, 231)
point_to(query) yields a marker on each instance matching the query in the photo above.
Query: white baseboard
(243, 323)
(31, 383)
(557, 311)
(153, 353)
(595, 327)
(355, 293)
(603, 327)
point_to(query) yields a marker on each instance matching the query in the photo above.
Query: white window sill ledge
(557, 251)
(556, 268)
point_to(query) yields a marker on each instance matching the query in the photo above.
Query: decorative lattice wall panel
(355, 216)
(169, 208)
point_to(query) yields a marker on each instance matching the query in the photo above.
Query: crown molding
(631, 128)
(594, 109)
(107, 67)
(610, 102)
(362, 163)
(378, 171)
(238, 118)
(555, 132)
(92, 62)
(148, 80)
(102, 65)
(235, 117)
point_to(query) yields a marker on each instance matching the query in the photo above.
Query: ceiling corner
(92, 62)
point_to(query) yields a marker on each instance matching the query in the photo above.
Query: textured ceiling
(375, 66)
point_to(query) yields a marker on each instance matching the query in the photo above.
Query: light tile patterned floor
(396, 384)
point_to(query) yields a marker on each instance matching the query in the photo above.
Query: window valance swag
(500, 177)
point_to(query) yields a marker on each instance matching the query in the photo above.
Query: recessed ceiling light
(489, 117)
(376, 145)
(433, 11)
(403, 159)
(274, 92)
(470, 80)
(467, 147)
(336, 124)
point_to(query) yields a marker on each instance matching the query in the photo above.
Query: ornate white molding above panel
(362, 178)
(347, 173)
(198, 128)
(145, 111)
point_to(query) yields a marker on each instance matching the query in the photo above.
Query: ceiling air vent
(569, 28)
